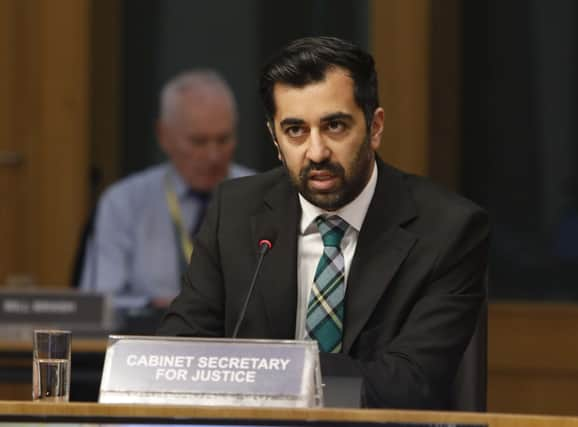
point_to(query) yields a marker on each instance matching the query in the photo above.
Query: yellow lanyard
(177, 218)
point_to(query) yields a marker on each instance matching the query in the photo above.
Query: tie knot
(332, 229)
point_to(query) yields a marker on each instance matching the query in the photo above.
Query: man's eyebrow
(290, 121)
(337, 116)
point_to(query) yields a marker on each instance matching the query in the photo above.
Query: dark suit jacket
(414, 289)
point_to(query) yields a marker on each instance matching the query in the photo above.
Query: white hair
(202, 81)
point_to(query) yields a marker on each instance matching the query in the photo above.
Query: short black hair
(307, 60)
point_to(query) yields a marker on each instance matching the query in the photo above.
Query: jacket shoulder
(432, 199)
(135, 189)
(255, 187)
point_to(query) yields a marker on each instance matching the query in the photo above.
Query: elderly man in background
(144, 224)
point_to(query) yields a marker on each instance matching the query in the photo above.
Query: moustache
(326, 166)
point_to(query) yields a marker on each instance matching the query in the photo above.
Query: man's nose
(213, 151)
(318, 149)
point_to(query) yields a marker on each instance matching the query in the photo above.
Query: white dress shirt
(310, 244)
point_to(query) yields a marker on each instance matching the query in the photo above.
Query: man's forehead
(194, 108)
(200, 99)
(333, 95)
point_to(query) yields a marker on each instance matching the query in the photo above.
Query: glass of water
(51, 365)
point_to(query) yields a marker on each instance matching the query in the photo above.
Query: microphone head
(267, 233)
(265, 242)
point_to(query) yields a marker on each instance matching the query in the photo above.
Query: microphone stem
(263, 250)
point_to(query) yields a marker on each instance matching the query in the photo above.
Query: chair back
(469, 391)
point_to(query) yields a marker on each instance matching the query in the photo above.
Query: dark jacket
(413, 294)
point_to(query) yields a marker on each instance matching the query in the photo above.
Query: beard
(351, 180)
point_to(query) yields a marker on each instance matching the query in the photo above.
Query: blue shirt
(133, 254)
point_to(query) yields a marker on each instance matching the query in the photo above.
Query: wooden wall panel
(533, 358)
(47, 67)
(400, 45)
(9, 170)
(444, 161)
(64, 147)
(416, 46)
(105, 87)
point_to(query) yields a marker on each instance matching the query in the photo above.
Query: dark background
(520, 141)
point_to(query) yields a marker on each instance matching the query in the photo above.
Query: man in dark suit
(385, 270)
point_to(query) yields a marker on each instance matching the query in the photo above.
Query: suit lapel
(277, 283)
(381, 248)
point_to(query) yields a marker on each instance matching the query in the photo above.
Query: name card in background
(23, 310)
(199, 371)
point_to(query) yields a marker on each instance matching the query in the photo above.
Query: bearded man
(385, 270)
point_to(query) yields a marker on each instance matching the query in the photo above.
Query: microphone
(264, 246)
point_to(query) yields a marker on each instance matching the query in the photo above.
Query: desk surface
(228, 413)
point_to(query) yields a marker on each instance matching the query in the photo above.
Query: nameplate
(62, 309)
(199, 371)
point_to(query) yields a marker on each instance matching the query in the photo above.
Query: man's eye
(294, 131)
(225, 139)
(336, 126)
(197, 142)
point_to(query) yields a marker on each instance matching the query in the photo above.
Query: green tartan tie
(325, 309)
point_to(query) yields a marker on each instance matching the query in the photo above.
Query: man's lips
(322, 180)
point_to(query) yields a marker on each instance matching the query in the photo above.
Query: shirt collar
(354, 212)
(179, 185)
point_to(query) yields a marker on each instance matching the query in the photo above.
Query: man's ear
(274, 138)
(271, 129)
(376, 130)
